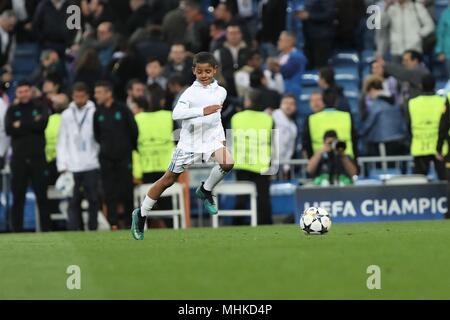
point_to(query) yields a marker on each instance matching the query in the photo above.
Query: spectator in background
(176, 85)
(384, 123)
(174, 24)
(330, 164)
(328, 85)
(25, 123)
(149, 43)
(49, 25)
(8, 21)
(273, 22)
(77, 153)
(154, 70)
(318, 28)
(141, 14)
(350, 16)
(242, 76)
(99, 12)
(409, 73)
(217, 32)
(316, 102)
(24, 11)
(49, 65)
(107, 41)
(397, 15)
(116, 132)
(232, 56)
(273, 75)
(423, 117)
(228, 13)
(292, 63)
(443, 40)
(284, 120)
(88, 69)
(135, 89)
(390, 88)
(179, 62)
(268, 99)
(197, 32)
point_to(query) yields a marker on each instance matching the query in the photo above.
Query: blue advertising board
(377, 203)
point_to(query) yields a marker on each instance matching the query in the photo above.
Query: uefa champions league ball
(315, 221)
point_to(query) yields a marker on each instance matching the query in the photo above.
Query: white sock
(217, 174)
(147, 206)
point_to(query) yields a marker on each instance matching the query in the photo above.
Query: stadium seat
(350, 82)
(236, 188)
(310, 79)
(176, 193)
(309, 90)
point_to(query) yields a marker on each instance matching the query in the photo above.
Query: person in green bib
(252, 151)
(330, 118)
(442, 150)
(57, 103)
(155, 145)
(424, 115)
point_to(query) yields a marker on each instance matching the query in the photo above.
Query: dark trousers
(264, 204)
(447, 214)
(86, 187)
(422, 166)
(393, 148)
(24, 170)
(318, 51)
(117, 181)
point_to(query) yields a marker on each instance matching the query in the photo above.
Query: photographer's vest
(155, 142)
(51, 136)
(252, 145)
(331, 119)
(425, 113)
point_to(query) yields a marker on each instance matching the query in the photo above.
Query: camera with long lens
(339, 146)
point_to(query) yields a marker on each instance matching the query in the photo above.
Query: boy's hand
(211, 109)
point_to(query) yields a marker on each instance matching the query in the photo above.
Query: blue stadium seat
(367, 56)
(310, 90)
(310, 79)
(303, 105)
(350, 82)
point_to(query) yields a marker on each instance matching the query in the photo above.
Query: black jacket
(116, 131)
(29, 139)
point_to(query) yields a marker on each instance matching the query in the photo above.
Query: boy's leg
(139, 216)
(218, 172)
(167, 180)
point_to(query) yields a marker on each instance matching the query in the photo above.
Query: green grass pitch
(273, 262)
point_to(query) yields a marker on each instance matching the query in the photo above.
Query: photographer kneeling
(331, 165)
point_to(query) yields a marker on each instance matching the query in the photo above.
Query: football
(315, 221)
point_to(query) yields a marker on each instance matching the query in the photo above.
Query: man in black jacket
(25, 122)
(116, 132)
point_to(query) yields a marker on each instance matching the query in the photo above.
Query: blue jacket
(384, 122)
(292, 72)
(443, 34)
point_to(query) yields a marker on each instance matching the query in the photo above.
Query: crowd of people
(99, 103)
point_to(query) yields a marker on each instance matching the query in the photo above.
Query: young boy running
(201, 137)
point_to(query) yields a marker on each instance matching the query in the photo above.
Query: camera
(339, 146)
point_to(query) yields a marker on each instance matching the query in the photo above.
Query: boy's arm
(183, 112)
